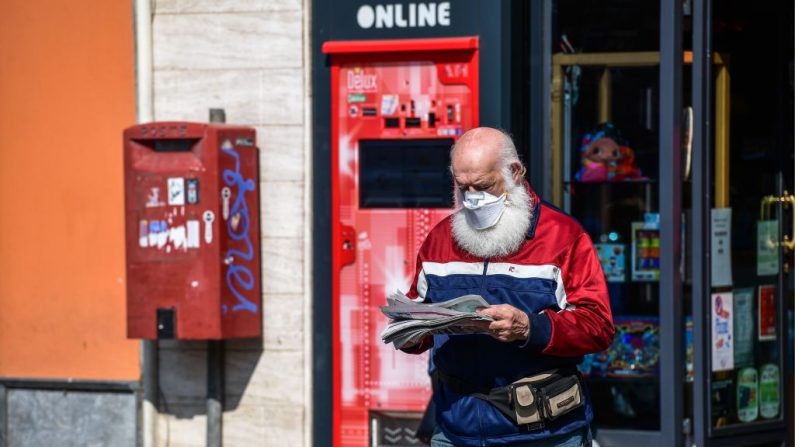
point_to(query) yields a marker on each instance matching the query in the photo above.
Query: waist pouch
(531, 401)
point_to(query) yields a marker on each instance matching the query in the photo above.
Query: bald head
(484, 159)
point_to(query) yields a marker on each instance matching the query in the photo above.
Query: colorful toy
(636, 347)
(635, 351)
(606, 157)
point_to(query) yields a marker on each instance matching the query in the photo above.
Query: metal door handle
(765, 213)
(788, 242)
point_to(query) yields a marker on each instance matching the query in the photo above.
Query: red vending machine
(397, 108)
(192, 231)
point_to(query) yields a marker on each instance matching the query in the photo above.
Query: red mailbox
(192, 220)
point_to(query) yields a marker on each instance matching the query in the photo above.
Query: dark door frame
(702, 202)
(670, 149)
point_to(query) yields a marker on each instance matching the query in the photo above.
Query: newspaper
(410, 321)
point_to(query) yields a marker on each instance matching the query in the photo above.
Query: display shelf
(628, 379)
(606, 183)
(562, 106)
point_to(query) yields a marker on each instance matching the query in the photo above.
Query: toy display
(635, 351)
(645, 252)
(611, 256)
(606, 157)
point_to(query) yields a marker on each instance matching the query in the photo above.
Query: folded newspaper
(410, 321)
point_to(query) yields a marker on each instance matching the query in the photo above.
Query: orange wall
(67, 89)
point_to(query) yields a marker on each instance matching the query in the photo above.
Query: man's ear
(517, 171)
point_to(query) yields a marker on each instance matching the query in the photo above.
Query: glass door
(743, 222)
(607, 145)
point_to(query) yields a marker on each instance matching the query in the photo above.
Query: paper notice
(767, 312)
(744, 327)
(721, 247)
(766, 247)
(722, 345)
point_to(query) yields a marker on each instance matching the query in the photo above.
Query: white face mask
(482, 209)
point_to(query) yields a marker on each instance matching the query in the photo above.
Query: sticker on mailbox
(226, 193)
(244, 142)
(176, 191)
(193, 233)
(143, 233)
(153, 198)
(208, 218)
(192, 187)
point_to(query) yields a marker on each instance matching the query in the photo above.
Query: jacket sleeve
(417, 292)
(585, 323)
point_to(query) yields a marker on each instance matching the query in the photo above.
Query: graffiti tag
(239, 276)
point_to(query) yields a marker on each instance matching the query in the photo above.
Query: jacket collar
(536, 204)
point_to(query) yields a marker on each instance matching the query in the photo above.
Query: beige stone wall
(247, 57)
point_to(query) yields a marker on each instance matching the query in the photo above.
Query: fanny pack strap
(499, 397)
(460, 386)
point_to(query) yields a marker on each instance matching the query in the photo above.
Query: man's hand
(510, 323)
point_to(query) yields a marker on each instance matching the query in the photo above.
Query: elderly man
(516, 384)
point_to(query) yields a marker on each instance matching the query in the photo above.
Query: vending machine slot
(413, 123)
(392, 123)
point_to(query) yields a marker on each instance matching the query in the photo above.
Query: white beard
(506, 236)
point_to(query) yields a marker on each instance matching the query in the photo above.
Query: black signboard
(367, 19)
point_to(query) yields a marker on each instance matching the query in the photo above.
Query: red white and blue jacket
(556, 278)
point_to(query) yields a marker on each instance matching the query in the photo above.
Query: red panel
(192, 221)
(374, 250)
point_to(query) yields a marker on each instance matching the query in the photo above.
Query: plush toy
(605, 157)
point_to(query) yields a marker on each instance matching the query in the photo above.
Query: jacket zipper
(480, 427)
(483, 277)
(483, 292)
